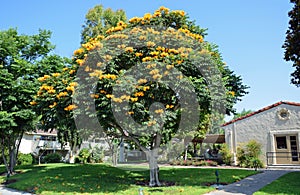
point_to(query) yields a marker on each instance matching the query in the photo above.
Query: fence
(289, 157)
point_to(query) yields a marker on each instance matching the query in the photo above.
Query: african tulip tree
(145, 81)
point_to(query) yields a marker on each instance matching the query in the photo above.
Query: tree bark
(153, 166)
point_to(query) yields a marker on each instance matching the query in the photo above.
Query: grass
(103, 179)
(286, 184)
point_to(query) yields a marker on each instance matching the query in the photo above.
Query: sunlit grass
(105, 179)
(288, 184)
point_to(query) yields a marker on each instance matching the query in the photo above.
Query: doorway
(287, 151)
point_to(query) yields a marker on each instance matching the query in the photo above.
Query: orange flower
(159, 111)
(56, 74)
(33, 103)
(70, 107)
(53, 105)
(139, 94)
(129, 49)
(71, 71)
(150, 44)
(147, 16)
(137, 54)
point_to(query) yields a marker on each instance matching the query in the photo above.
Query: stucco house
(275, 127)
(41, 143)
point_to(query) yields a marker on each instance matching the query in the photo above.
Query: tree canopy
(292, 42)
(23, 59)
(143, 80)
(98, 20)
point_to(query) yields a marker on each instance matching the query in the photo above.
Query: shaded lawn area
(105, 179)
(286, 184)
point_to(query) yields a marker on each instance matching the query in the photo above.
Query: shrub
(97, 154)
(52, 158)
(226, 154)
(24, 159)
(84, 155)
(248, 155)
(205, 163)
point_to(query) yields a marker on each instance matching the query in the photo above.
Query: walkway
(250, 184)
(9, 191)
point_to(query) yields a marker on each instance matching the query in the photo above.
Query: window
(48, 138)
(281, 142)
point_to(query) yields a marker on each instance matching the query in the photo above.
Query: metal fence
(289, 157)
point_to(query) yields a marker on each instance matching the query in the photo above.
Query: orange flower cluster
(70, 107)
(190, 34)
(158, 13)
(120, 26)
(53, 105)
(139, 94)
(151, 123)
(49, 89)
(159, 111)
(108, 76)
(62, 94)
(33, 103)
(45, 77)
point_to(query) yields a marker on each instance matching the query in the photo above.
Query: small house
(276, 127)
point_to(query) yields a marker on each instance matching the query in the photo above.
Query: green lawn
(287, 184)
(104, 179)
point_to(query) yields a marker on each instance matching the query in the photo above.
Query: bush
(97, 154)
(205, 163)
(84, 155)
(24, 159)
(248, 155)
(226, 154)
(52, 158)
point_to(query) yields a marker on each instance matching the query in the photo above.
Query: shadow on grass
(75, 178)
(101, 178)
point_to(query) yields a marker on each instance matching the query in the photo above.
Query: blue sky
(249, 34)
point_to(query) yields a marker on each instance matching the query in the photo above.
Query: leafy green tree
(292, 42)
(20, 59)
(145, 81)
(98, 20)
(244, 112)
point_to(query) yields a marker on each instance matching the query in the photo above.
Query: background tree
(98, 20)
(292, 42)
(244, 112)
(20, 59)
(131, 82)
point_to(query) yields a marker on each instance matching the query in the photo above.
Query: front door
(287, 149)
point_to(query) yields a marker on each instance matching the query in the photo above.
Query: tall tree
(144, 81)
(19, 68)
(98, 20)
(292, 42)
(244, 112)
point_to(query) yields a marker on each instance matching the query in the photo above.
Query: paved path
(250, 184)
(9, 191)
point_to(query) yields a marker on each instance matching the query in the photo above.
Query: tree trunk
(4, 159)
(114, 154)
(73, 153)
(153, 166)
(12, 160)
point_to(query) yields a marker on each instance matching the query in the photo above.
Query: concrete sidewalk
(9, 191)
(250, 184)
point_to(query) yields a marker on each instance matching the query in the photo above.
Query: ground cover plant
(287, 184)
(104, 179)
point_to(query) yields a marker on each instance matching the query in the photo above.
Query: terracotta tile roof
(261, 110)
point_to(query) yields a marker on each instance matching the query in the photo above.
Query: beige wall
(262, 127)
